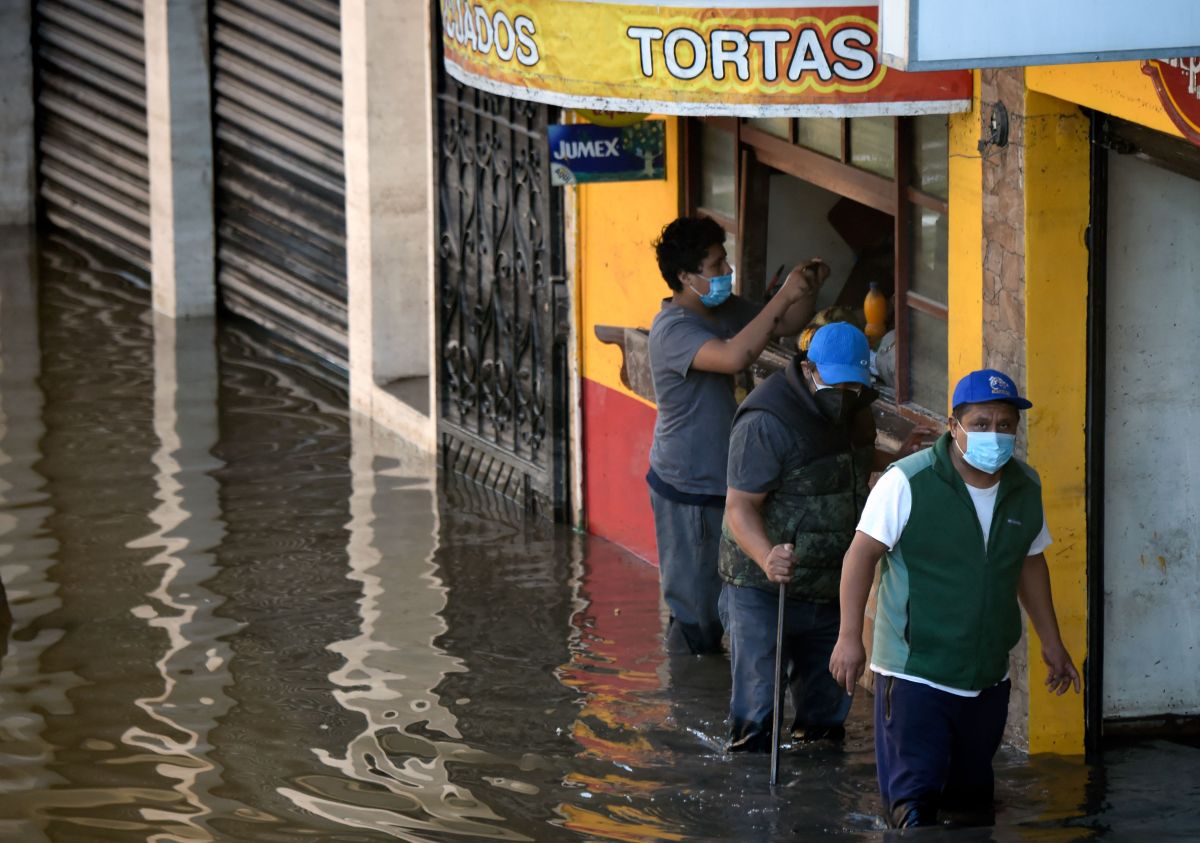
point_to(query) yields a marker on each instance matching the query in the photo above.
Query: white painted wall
(1152, 452)
(16, 115)
(388, 116)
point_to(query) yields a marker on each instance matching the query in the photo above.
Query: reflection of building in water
(26, 552)
(614, 666)
(393, 666)
(194, 667)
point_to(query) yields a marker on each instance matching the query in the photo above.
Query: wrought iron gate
(503, 303)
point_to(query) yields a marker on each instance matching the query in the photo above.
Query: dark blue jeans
(933, 750)
(809, 632)
(688, 539)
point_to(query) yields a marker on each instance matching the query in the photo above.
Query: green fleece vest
(819, 499)
(947, 608)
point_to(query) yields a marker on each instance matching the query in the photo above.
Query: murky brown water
(239, 615)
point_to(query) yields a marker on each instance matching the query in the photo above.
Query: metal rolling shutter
(92, 152)
(280, 187)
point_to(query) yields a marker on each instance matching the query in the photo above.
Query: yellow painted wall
(965, 244)
(1057, 198)
(619, 283)
(1117, 88)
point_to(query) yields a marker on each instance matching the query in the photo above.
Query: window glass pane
(777, 126)
(930, 164)
(928, 360)
(820, 134)
(873, 144)
(928, 250)
(717, 187)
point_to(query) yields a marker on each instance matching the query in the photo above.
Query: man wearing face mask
(800, 456)
(961, 529)
(703, 336)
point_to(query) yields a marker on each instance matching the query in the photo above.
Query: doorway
(1144, 405)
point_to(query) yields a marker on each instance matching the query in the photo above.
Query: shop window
(869, 193)
(821, 134)
(718, 183)
(873, 145)
(780, 127)
(930, 171)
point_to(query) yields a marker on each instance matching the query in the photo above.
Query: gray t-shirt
(761, 451)
(695, 409)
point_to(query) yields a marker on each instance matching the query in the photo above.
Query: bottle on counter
(875, 309)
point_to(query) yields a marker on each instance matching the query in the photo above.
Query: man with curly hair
(700, 339)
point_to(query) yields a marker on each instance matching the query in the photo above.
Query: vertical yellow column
(1057, 198)
(965, 243)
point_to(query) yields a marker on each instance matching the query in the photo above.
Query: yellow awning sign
(754, 59)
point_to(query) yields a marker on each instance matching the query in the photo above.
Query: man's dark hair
(683, 244)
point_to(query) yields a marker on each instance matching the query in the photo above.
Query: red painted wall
(617, 431)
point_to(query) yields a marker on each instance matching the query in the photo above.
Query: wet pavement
(240, 614)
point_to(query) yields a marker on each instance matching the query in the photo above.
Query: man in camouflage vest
(800, 455)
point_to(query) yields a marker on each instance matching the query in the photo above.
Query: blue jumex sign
(585, 152)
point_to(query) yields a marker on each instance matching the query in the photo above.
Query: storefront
(1142, 531)
(1016, 224)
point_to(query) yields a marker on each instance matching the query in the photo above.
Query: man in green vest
(961, 530)
(800, 454)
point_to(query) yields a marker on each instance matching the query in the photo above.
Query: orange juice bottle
(875, 309)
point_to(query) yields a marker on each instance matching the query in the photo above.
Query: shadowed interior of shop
(240, 613)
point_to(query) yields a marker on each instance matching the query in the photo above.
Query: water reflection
(27, 552)
(188, 529)
(240, 613)
(394, 776)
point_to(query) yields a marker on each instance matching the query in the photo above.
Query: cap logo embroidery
(999, 387)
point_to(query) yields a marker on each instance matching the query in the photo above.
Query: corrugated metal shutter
(277, 96)
(92, 156)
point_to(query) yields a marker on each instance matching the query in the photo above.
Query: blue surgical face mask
(987, 451)
(720, 288)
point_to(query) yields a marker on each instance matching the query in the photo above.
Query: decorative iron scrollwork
(498, 328)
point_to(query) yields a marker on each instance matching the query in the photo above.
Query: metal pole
(778, 715)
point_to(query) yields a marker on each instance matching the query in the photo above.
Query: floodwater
(240, 614)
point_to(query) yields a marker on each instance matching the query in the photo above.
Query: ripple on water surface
(238, 615)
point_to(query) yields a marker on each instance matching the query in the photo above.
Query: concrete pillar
(388, 119)
(17, 183)
(178, 113)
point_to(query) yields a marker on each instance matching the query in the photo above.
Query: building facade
(336, 184)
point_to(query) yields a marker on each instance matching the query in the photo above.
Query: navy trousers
(934, 750)
(809, 632)
(688, 540)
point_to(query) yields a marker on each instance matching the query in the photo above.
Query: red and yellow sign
(675, 58)
(1178, 84)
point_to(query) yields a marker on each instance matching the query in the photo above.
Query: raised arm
(739, 351)
(810, 276)
(849, 657)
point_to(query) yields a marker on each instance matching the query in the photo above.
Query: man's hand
(847, 662)
(779, 563)
(1061, 673)
(805, 280)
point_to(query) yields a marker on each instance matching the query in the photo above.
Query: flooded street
(238, 614)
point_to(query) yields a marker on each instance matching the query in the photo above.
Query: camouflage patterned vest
(821, 496)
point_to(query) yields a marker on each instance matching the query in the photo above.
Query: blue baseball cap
(841, 354)
(988, 385)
